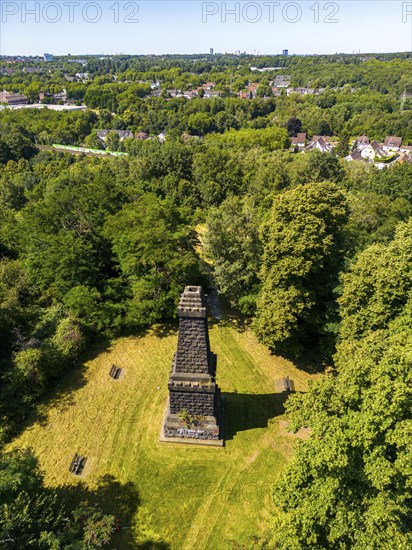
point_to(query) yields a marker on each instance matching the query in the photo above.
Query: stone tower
(194, 406)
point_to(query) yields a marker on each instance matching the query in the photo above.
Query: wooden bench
(77, 464)
(115, 372)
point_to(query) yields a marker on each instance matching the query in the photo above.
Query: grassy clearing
(191, 497)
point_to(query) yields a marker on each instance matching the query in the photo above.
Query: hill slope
(190, 497)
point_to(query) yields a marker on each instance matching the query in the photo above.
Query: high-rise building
(48, 57)
(285, 52)
(211, 51)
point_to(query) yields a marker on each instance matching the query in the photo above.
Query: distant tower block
(194, 407)
(285, 52)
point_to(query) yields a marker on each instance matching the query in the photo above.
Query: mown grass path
(193, 498)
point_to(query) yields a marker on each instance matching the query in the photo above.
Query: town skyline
(165, 27)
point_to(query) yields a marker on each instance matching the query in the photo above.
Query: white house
(299, 141)
(373, 151)
(321, 143)
(123, 134)
(392, 143)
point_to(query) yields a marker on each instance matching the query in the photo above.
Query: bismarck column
(194, 407)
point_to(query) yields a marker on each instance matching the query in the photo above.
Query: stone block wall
(192, 347)
(196, 403)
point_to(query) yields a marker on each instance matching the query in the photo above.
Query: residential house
(32, 70)
(123, 134)
(355, 155)
(189, 94)
(61, 96)
(141, 135)
(82, 76)
(282, 81)
(299, 141)
(320, 143)
(252, 89)
(362, 141)
(392, 143)
(373, 151)
(301, 91)
(406, 149)
(13, 99)
(212, 93)
(276, 91)
(187, 137)
(208, 86)
(404, 157)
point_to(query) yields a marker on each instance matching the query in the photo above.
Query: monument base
(208, 433)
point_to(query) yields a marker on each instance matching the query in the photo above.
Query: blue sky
(151, 26)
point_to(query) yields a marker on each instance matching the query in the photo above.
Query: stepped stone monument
(194, 407)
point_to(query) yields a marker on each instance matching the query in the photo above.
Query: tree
(270, 138)
(112, 141)
(92, 141)
(324, 167)
(374, 217)
(217, 174)
(294, 126)
(154, 247)
(264, 90)
(232, 242)
(15, 143)
(303, 243)
(343, 148)
(200, 123)
(32, 515)
(378, 285)
(350, 484)
(395, 182)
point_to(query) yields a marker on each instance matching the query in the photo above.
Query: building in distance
(13, 99)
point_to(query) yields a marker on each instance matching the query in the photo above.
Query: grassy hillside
(189, 497)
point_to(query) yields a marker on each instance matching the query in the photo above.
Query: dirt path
(214, 304)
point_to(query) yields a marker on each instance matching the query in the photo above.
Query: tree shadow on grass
(161, 330)
(120, 500)
(249, 411)
(62, 390)
(311, 360)
(165, 330)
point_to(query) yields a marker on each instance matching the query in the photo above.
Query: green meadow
(169, 495)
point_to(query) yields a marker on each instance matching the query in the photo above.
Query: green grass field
(188, 497)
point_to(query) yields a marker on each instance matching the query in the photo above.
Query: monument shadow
(244, 411)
